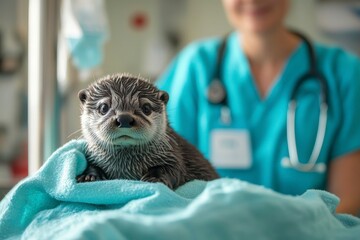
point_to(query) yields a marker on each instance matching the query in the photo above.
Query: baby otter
(124, 123)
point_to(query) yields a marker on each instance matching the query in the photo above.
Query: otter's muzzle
(125, 121)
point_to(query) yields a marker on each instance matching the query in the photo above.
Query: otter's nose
(125, 121)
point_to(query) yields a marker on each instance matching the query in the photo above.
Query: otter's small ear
(82, 96)
(164, 96)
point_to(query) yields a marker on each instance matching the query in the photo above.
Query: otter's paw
(91, 174)
(164, 180)
(87, 178)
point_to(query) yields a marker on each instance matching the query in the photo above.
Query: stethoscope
(216, 94)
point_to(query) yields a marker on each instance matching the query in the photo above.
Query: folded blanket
(51, 205)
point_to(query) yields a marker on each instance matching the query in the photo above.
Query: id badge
(231, 148)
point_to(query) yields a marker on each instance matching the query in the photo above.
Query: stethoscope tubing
(216, 94)
(291, 138)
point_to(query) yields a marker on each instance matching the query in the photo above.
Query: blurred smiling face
(256, 16)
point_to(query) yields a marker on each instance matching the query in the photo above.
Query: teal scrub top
(192, 116)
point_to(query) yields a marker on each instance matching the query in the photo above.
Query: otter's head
(122, 110)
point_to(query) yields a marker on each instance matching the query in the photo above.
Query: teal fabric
(187, 80)
(51, 205)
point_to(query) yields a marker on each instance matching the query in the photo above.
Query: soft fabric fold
(52, 205)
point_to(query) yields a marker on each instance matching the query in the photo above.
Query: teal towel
(51, 205)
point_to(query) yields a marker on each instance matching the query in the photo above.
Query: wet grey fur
(151, 152)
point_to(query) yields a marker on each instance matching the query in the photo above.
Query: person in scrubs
(261, 65)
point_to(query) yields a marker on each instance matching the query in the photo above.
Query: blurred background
(50, 49)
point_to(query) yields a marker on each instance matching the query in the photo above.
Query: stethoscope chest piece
(216, 93)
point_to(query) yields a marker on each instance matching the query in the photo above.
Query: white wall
(204, 18)
(126, 46)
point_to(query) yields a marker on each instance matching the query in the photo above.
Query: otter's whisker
(73, 133)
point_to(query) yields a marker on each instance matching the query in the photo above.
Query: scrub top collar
(238, 65)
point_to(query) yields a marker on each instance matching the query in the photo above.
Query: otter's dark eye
(146, 108)
(103, 108)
